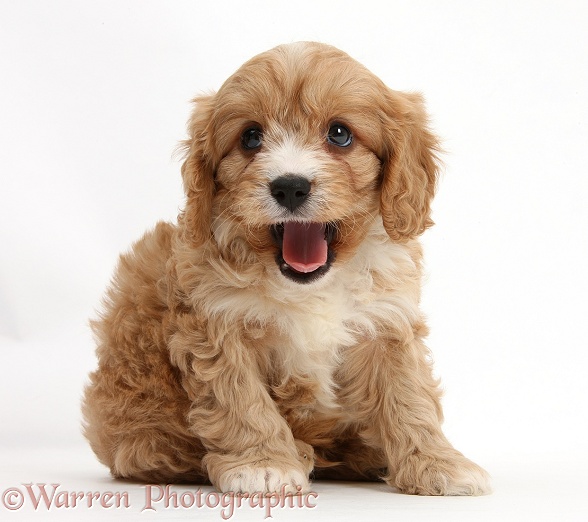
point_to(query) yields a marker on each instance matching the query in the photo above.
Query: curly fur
(214, 366)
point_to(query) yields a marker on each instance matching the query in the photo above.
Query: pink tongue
(304, 247)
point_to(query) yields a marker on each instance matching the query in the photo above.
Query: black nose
(290, 191)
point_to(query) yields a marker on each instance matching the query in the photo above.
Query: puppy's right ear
(198, 174)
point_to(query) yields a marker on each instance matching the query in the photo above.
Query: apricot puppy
(280, 315)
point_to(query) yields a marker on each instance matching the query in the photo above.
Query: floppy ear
(198, 175)
(410, 167)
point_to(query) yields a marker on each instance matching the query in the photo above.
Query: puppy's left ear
(410, 167)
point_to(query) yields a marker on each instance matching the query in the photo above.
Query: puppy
(282, 310)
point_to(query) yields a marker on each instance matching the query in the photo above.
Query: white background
(94, 97)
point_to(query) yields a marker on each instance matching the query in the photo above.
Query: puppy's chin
(305, 252)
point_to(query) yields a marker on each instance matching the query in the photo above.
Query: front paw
(263, 477)
(447, 475)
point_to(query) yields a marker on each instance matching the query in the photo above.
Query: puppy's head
(290, 162)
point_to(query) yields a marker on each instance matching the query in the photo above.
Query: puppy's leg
(250, 447)
(389, 385)
(305, 455)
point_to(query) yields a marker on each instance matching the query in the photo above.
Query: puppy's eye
(339, 135)
(251, 138)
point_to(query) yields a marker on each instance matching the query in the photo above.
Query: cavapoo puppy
(275, 330)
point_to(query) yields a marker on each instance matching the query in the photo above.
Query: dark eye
(251, 138)
(339, 135)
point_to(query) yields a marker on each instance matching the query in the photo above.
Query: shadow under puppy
(282, 310)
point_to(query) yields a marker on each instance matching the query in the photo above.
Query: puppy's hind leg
(140, 435)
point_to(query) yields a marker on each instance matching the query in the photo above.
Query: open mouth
(305, 252)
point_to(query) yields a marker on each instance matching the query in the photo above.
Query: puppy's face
(297, 154)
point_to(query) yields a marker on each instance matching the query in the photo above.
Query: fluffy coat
(217, 361)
